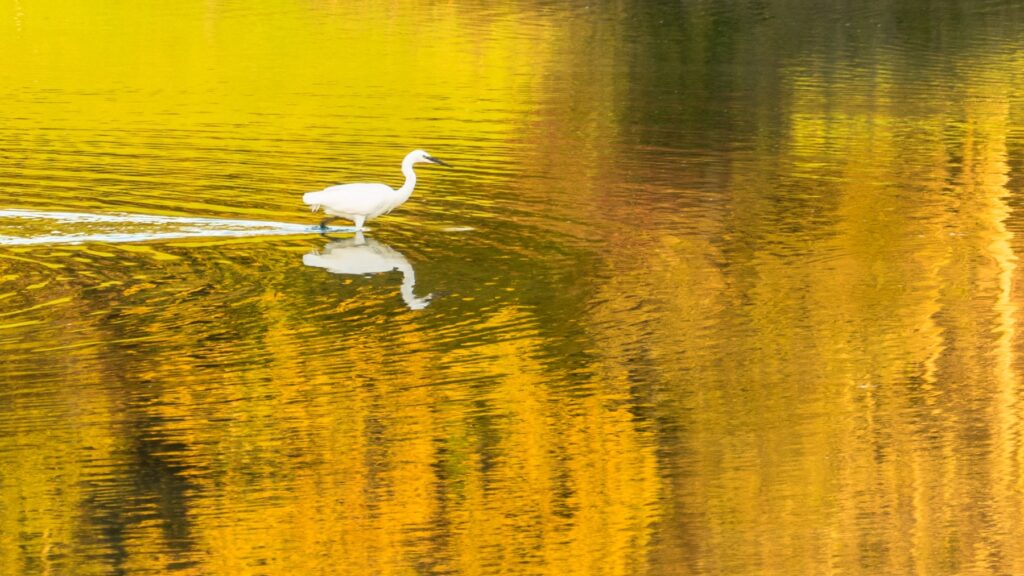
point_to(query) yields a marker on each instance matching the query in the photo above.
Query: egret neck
(405, 191)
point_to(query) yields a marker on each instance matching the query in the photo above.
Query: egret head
(421, 156)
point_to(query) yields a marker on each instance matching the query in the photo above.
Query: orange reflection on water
(728, 297)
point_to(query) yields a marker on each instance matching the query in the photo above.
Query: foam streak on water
(78, 227)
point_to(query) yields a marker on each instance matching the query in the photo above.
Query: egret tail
(310, 198)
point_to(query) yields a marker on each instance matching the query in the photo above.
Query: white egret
(361, 202)
(364, 256)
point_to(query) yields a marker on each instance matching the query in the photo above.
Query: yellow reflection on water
(666, 340)
(854, 402)
(218, 109)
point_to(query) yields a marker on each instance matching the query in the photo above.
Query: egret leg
(323, 223)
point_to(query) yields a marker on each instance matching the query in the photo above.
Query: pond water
(710, 288)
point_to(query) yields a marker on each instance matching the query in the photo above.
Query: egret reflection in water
(364, 256)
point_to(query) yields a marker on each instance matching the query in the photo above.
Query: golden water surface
(711, 288)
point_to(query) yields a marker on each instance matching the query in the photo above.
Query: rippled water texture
(711, 288)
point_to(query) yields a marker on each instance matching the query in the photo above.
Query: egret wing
(357, 198)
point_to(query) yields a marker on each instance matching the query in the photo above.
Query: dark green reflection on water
(715, 289)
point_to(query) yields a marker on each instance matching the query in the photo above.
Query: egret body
(361, 202)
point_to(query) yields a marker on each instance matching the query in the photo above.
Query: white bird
(365, 256)
(361, 202)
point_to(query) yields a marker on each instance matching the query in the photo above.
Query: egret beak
(438, 161)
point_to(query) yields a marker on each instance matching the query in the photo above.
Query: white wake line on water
(184, 227)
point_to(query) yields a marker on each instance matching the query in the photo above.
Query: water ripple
(67, 227)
